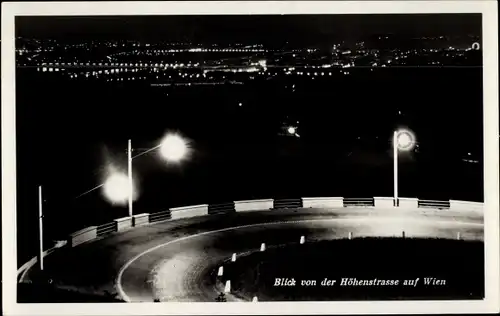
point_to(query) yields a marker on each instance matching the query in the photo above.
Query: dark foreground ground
(44, 292)
(458, 263)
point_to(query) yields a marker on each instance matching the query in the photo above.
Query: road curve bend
(179, 270)
(170, 260)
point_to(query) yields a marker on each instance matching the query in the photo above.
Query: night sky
(270, 28)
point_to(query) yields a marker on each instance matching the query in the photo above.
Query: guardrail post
(123, 223)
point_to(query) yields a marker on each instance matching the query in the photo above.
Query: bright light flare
(116, 189)
(174, 148)
(405, 140)
(291, 130)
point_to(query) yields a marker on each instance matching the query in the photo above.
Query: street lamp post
(403, 140)
(173, 148)
(395, 147)
(130, 180)
(118, 188)
(40, 226)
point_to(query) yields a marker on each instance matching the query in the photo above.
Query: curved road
(169, 261)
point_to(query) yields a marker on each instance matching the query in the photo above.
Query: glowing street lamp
(173, 148)
(119, 186)
(116, 188)
(403, 140)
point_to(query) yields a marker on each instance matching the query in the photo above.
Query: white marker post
(263, 247)
(233, 258)
(221, 271)
(227, 288)
(302, 240)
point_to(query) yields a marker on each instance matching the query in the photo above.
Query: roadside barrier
(91, 233)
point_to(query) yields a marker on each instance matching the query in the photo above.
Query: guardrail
(106, 229)
(140, 219)
(466, 206)
(287, 203)
(434, 204)
(253, 205)
(408, 203)
(221, 208)
(323, 202)
(82, 236)
(159, 216)
(124, 223)
(383, 202)
(359, 202)
(189, 211)
(21, 272)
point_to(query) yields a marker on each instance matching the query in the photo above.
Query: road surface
(170, 261)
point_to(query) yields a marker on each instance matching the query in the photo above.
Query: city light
(153, 68)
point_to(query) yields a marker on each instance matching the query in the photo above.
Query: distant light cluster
(186, 63)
